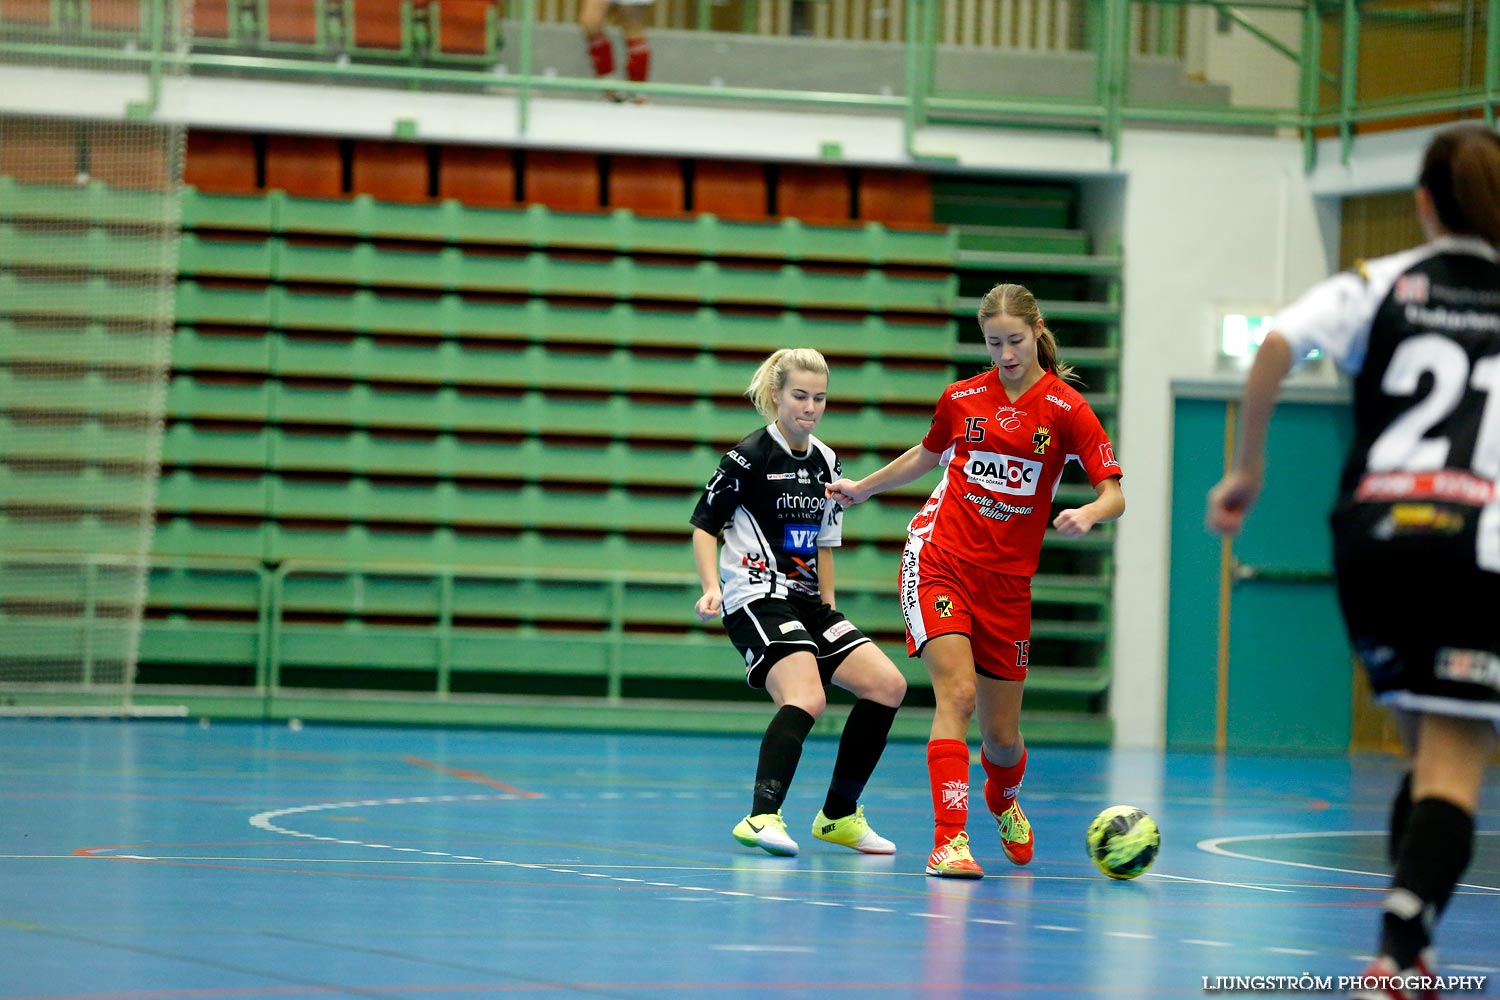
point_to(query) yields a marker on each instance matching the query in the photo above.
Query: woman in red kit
(1002, 438)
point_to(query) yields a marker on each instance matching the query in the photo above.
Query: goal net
(90, 184)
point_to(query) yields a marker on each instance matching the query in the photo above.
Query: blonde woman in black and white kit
(774, 584)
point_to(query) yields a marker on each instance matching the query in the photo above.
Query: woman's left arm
(1108, 505)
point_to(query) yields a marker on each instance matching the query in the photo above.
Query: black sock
(1400, 814)
(1436, 849)
(859, 751)
(780, 750)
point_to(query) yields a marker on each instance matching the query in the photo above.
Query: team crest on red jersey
(1040, 440)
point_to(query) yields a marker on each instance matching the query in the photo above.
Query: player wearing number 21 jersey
(1416, 529)
(1419, 510)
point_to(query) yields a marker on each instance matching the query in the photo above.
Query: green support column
(528, 25)
(1492, 63)
(1349, 80)
(1312, 68)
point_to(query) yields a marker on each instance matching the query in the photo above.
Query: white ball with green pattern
(1122, 841)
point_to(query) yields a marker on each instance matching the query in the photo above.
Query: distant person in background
(774, 585)
(632, 15)
(1416, 529)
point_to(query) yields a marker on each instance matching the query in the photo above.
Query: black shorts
(767, 630)
(1421, 623)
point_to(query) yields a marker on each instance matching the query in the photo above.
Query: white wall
(1210, 223)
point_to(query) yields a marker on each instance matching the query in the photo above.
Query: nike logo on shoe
(830, 828)
(752, 826)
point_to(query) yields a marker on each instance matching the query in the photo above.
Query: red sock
(1003, 782)
(637, 59)
(948, 773)
(601, 54)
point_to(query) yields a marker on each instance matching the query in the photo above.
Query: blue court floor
(166, 861)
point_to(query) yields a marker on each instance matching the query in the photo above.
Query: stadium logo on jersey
(969, 392)
(800, 538)
(1003, 473)
(1107, 455)
(1065, 405)
(943, 605)
(1009, 418)
(1041, 439)
(1412, 288)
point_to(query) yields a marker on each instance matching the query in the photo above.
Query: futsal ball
(1122, 841)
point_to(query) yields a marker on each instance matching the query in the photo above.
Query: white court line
(1213, 845)
(1204, 881)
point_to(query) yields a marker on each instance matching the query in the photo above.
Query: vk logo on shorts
(800, 538)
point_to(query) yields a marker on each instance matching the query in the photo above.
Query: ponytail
(1461, 173)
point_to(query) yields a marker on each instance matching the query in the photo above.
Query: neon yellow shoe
(766, 831)
(954, 859)
(1015, 834)
(853, 832)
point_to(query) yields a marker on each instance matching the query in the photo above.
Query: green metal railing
(1108, 35)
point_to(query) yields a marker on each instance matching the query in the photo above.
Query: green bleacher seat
(209, 303)
(536, 226)
(240, 447)
(190, 397)
(198, 644)
(86, 533)
(200, 256)
(90, 439)
(92, 203)
(77, 392)
(93, 297)
(95, 249)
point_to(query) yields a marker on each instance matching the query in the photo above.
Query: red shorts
(941, 595)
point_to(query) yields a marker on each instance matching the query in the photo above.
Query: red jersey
(1002, 460)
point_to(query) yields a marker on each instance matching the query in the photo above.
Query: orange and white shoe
(954, 860)
(1015, 833)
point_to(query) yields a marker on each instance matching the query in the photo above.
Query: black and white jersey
(768, 500)
(1420, 333)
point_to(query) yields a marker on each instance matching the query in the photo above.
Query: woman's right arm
(706, 558)
(1231, 500)
(915, 463)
